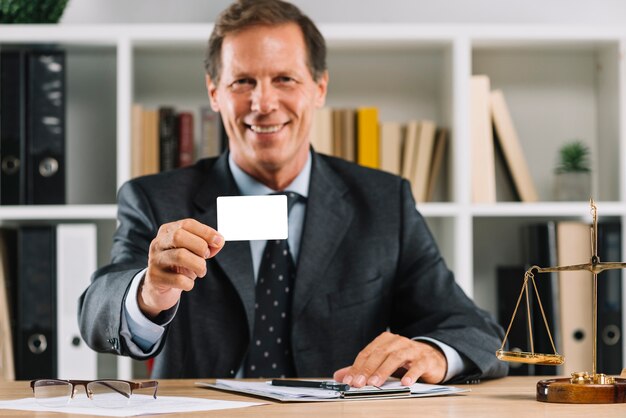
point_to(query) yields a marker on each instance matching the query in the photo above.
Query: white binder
(76, 262)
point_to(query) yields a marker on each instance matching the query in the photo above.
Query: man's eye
(285, 80)
(242, 84)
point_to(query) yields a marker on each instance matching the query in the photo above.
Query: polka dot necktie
(270, 349)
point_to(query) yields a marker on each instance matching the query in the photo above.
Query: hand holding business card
(246, 218)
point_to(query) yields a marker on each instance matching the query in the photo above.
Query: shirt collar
(249, 186)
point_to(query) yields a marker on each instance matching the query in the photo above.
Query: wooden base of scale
(564, 391)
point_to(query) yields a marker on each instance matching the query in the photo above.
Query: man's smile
(265, 129)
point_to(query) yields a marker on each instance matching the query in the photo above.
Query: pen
(341, 387)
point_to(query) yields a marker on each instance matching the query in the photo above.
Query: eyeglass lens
(52, 392)
(109, 393)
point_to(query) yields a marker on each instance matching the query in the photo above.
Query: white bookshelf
(561, 83)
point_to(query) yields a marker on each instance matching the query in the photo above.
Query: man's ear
(211, 89)
(322, 88)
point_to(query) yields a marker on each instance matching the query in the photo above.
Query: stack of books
(489, 114)
(414, 150)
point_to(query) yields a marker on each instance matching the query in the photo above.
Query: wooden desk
(510, 397)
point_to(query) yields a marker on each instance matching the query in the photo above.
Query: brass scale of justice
(583, 387)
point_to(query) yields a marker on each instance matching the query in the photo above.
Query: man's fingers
(411, 376)
(191, 234)
(385, 365)
(160, 281)
(183, 246)
(368, 360)
(340, 374)
(393, 353)
(180, 260)
(434, 364)
(213, 238)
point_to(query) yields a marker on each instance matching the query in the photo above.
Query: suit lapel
(328, 217)
(235, 258)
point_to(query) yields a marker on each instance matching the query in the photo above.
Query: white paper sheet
(294, 394)
(243, 218)
(139, 405)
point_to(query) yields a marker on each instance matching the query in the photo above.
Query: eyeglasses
(104, 393)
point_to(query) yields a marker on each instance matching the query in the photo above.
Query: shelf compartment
(559, 91)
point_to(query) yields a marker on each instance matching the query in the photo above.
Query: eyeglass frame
(84, 383)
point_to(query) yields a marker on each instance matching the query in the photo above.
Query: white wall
(434, 11)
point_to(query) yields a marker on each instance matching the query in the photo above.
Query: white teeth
(265, 129)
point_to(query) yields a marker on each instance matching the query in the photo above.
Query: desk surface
(511, 397)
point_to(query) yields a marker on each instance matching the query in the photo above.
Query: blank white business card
(245, 218)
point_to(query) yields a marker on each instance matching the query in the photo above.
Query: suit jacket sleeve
(429, 303)
(101, 305)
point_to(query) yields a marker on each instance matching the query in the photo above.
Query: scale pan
(530, 358)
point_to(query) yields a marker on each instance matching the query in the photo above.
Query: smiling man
(267, 95)
(364, 292)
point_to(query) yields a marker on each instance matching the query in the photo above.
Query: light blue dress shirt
(142, 335)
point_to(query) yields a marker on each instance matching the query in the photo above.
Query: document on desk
(139, 405)
(389, 390)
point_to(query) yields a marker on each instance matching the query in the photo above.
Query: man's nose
(264, 98)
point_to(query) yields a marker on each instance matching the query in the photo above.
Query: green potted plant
(31, 11)
(573, 173)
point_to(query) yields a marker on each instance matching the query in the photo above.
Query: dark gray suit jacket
(367, 263)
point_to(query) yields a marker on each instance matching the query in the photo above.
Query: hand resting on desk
(390, 354)
(176, 258)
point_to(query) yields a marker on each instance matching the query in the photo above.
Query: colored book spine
(368, 153)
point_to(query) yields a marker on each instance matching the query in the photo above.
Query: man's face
(267, 98)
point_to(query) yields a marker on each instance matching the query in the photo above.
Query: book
(575, 296)
(136, 140)
(388, 390)
(409, 150)
(209, 143)
(610, 305)
(425, 146)
(150, 143)
(483, 155)
(505, 187)
(368, 147)
(343, 134)
(322, 131)
(337, 138)
(7, 244)
(511, 148)
(439, 153)
(391, 147)
(168, 139)
(348, 117)
(75, 258)
(186, 143)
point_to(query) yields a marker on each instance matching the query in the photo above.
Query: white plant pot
(572, 186)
